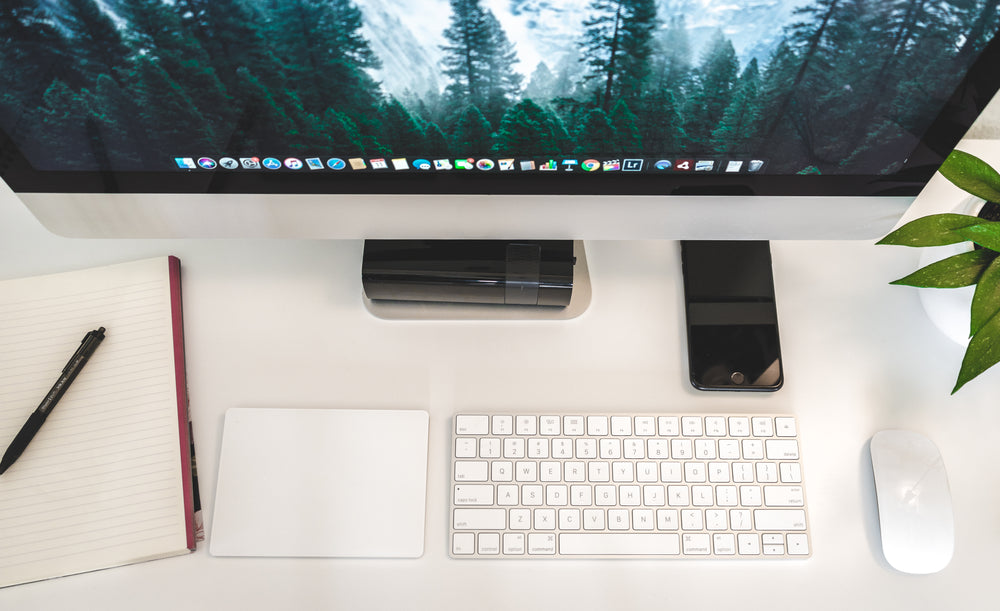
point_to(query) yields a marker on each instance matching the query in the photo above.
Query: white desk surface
(282, 324)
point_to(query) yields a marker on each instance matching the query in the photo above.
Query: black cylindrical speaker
(505, 272)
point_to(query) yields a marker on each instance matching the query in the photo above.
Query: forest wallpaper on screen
(831, 86)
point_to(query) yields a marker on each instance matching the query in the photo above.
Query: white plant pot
(951, 309)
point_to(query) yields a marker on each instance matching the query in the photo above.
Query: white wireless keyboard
(609, 486)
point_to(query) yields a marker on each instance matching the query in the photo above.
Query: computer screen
(370, 118)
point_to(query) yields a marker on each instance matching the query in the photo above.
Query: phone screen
(732, 322)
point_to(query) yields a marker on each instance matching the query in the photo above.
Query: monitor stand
(475, 279)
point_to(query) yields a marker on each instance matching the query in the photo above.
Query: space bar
(619, 544)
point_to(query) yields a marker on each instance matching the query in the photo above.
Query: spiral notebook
(108, 480)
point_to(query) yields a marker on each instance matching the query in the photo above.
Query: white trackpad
(321, 482)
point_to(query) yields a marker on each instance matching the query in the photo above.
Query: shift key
(779, 519)
(480, 519)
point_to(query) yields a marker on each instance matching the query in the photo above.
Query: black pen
(76, 362)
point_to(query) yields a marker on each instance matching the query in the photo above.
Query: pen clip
(83, 345)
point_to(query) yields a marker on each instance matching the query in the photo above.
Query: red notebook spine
(183, 422)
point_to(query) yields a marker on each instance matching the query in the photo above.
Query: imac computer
(678, 119)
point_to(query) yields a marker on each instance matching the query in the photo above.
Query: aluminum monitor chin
(434, 119)
(464, 216)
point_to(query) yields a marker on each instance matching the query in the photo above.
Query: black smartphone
(732, 322)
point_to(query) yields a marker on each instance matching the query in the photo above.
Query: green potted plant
(979, 266)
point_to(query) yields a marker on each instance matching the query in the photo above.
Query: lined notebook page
(101, 484)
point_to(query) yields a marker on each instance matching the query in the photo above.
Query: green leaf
(986, 234)
(954, 272)
(986, 300)
(983, 352)
(971, 174)
(933, 230)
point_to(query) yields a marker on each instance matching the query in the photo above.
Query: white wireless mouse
(914, 502)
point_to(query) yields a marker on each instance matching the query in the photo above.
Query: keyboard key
(748, 543)
(715, 426)
(724, 544)
(542, 543)
(783, 496)
(574, 425)
(472, 425)
(618, 519)
(545, 519)
(471, 471)
(646, 472)
(762, 427)
(645, 426)
(750, 496)
(739, 426)
(480, 519)
(597, 425)
(767, 472)
(753, 449)
(526, 471)
(549, 425)
(513, 543)
(520, 519)
(779, 519)
(507, 495)
(667, 519)
(726, 496)
(669, 426)
(617, 544)
(670, 472)
(514, 447)
(704, 449)
(692, 426)
(489, 543)
(463, 544)
(569, 519)
(782, 449)
(785, 427)
(681, 449)
(634, 449)
(790, 472)
(593, 519)
(473, 494)
(606, 496)
(678, 496)
(643, 519)
(692, 519)
(740, 519)
(562, 448)
(599, 471)
(526, 425)
(531, 495)
(699, 544)
(575, 471)
(466, 447)
(502, 471)
(581, 496)
(797, 544)
(503, 425)
(538, 447)
(586, 448)
(489, 447)
(621, 425)
(610, 447)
